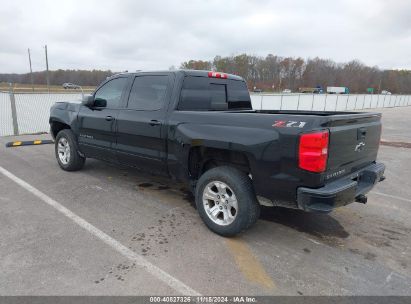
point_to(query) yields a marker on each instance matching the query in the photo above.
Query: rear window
(202, 94)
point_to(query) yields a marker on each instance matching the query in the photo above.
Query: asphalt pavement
(109, 230)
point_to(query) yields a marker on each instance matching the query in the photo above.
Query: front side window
(148, 93)
(110, 93)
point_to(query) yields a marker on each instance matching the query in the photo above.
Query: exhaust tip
(361, 199)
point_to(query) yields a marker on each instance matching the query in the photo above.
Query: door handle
(154, 122)
(109, 118)
(361, 133)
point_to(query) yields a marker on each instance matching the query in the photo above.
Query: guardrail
(26, 113)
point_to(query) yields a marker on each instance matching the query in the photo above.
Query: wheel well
(56, 127)
(202, 159)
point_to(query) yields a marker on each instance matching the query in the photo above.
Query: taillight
(217, 75)
(313, 151)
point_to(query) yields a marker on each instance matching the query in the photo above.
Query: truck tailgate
(353, 144)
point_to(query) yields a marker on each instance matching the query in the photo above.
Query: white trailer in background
(337, 90)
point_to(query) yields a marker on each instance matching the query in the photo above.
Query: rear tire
(226, 201)
(67, 153)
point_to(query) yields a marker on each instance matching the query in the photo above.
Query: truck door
(97, 124)
(141, 131)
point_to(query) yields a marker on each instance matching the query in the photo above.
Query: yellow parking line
(248, 263)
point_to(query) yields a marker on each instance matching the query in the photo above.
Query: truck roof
(197, 73)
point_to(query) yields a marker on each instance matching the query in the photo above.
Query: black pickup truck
(199, 127)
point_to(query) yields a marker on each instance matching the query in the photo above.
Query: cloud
(131, 35)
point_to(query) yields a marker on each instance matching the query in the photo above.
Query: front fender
(65, 113)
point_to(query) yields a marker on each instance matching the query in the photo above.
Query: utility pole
(47, 70)
(31, 72)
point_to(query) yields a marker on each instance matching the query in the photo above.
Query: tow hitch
(361, 199)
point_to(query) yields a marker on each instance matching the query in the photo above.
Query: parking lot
(108, 230)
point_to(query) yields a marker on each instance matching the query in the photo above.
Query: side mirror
(100, 103)
(87, 100)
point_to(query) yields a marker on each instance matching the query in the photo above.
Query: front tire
(67, 153)
(226, 201)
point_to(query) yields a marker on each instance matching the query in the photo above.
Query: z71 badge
(289, 124)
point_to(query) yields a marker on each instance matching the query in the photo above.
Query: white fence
(24, 113)
(327, 102)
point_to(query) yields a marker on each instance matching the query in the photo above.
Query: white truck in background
(337, 90)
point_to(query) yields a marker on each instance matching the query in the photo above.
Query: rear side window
(148, 93)
(203, 93)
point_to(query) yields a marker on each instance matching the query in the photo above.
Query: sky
(150, 35)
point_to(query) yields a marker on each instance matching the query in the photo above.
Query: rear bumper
(341, 192)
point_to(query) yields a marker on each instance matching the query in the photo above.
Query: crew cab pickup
(199, 127)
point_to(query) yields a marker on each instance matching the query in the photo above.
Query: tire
(219, 188)
(66, 150)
